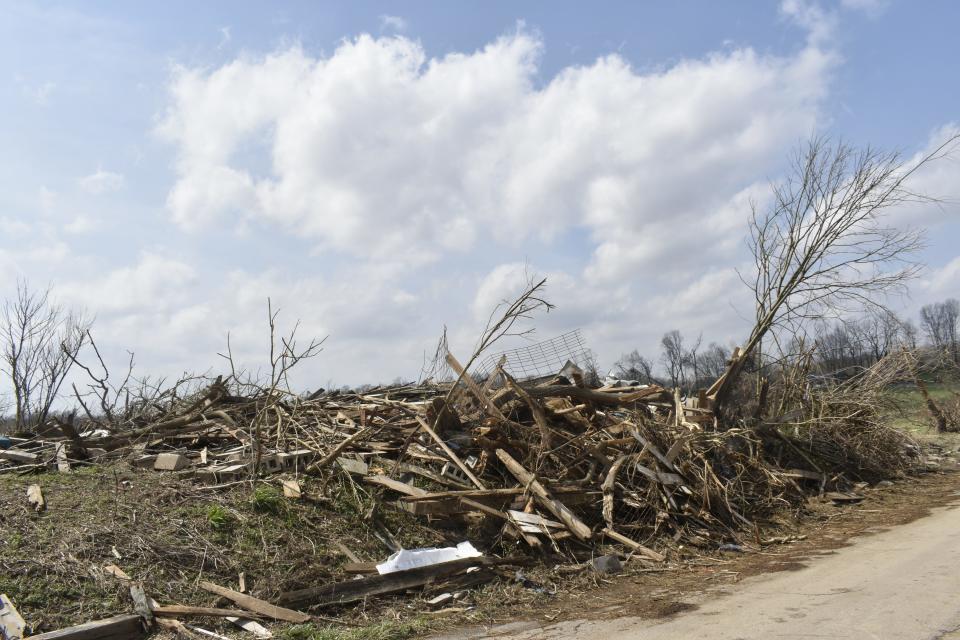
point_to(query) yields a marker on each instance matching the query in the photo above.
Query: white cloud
(46, 200)
(80, 224)
(101, 182)
(379, 149)
(10, 226)
(155, 282)
(393, 23)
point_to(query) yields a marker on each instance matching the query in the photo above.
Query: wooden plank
(375, 585)
(124, 627)
(187, 611)
(256, 604)
(456, 459)
(544, 497)
(395, 485)
(360, 567)
(483, 398)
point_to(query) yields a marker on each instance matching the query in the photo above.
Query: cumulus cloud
(378, 148)
(101, 182)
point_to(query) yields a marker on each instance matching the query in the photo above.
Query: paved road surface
(902, 583)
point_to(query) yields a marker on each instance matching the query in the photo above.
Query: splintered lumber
(376, 585)
(395, 485)
(186, 611)
(456, 459)
(125, 627)
(544, 497)
(590, 395)
(256, 605)
(483, 398)
(335, 452)
(539, 416)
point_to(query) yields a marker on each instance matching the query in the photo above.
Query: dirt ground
(654, 593)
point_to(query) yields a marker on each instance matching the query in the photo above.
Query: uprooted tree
(823, 247)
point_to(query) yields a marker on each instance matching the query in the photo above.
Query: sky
(382, 170)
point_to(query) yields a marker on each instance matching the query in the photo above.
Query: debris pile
(547, 466)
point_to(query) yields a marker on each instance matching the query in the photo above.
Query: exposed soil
(655, 593)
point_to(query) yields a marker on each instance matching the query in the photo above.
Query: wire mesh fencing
(539, 359)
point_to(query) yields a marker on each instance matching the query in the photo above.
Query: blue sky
(383, 169)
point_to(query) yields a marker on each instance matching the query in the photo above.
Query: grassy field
(912, 414)
(170, 533)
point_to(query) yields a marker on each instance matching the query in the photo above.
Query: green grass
(381, 631)
(219, 518)
(912, 414)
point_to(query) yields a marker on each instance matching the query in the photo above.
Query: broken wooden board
(395, 485)
(187, 611)
(376, 585)
(533, 523)
(256, 604)
(124, 627)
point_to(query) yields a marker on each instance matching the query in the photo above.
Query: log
(256, 605)
(544, 497)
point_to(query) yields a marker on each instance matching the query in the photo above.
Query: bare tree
(634, 366)
(692, 361)
(940, 323)
(879, 333)
(674, 358)
(40, 341)
(823, 247)
(713, 361)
